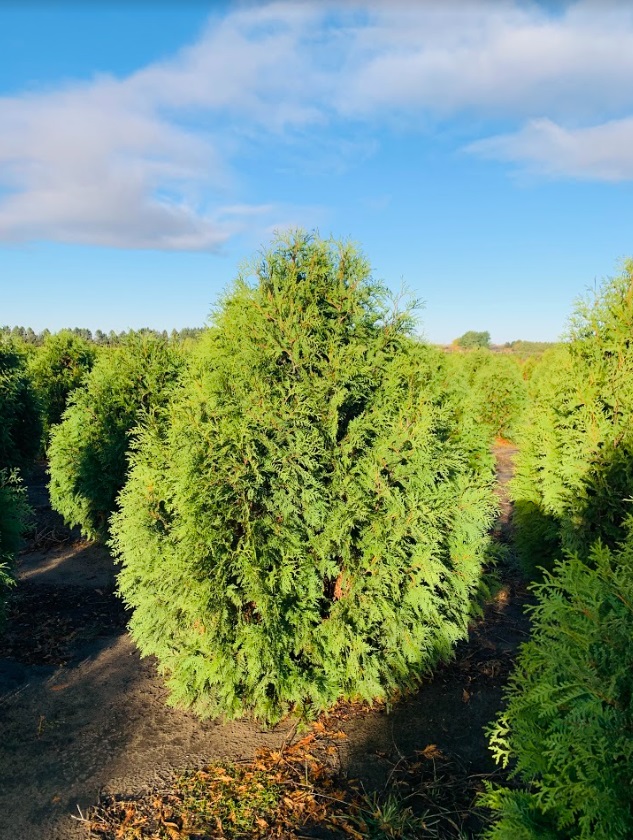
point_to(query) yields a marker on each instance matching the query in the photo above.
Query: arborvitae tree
(538, 488)
(499, 395)
(568, 726)
(57, 369)
(574, 472)
(14, 514)
(88, 452)
(20, 423)
(494, 391)
(308, 526)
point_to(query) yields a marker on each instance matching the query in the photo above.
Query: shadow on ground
(434, 741)
(80, 713)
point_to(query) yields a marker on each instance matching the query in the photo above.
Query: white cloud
(251, 63)
(110, 163)
(149, 161)
(494, 59)
(603, 152)
(82, 166)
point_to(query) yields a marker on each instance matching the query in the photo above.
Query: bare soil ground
(83, 717)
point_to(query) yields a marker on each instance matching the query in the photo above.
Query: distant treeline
(523, 349)
(37, 339)
(520, 348)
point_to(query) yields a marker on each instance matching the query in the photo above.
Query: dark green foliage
(88, 452)
(14, 513)
(568, 727)
(57, 369)
(493, 389)
(308, 525)
(574, 472)
(473, 340)
(537, 538)
(20, 424)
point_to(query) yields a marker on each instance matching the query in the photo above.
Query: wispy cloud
(82, 166)
(112, 163)
(602, 152)
(150, 160)
(507, 59)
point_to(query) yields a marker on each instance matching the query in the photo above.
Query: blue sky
(480, 153)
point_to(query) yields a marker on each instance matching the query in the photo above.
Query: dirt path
(82, 716)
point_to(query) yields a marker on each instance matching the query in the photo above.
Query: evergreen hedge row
(568, 726)
(493, 389)
(20, 422)
(88, 451)
(20, 433)
(499, 395)
(574, 471)
(57, 368)
(310, 521)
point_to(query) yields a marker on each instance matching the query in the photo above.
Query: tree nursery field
(302, 574)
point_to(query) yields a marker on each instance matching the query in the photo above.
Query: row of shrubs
(567, 731)
(36, 386)
(493, 388)
(301, 502)
(306, 512)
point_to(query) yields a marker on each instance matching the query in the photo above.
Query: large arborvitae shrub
(568, 726)
(493, 388)
(308, 525)
(20, 423)
(574, 472)
(57, 368)
(499, 395)
(88, 452)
